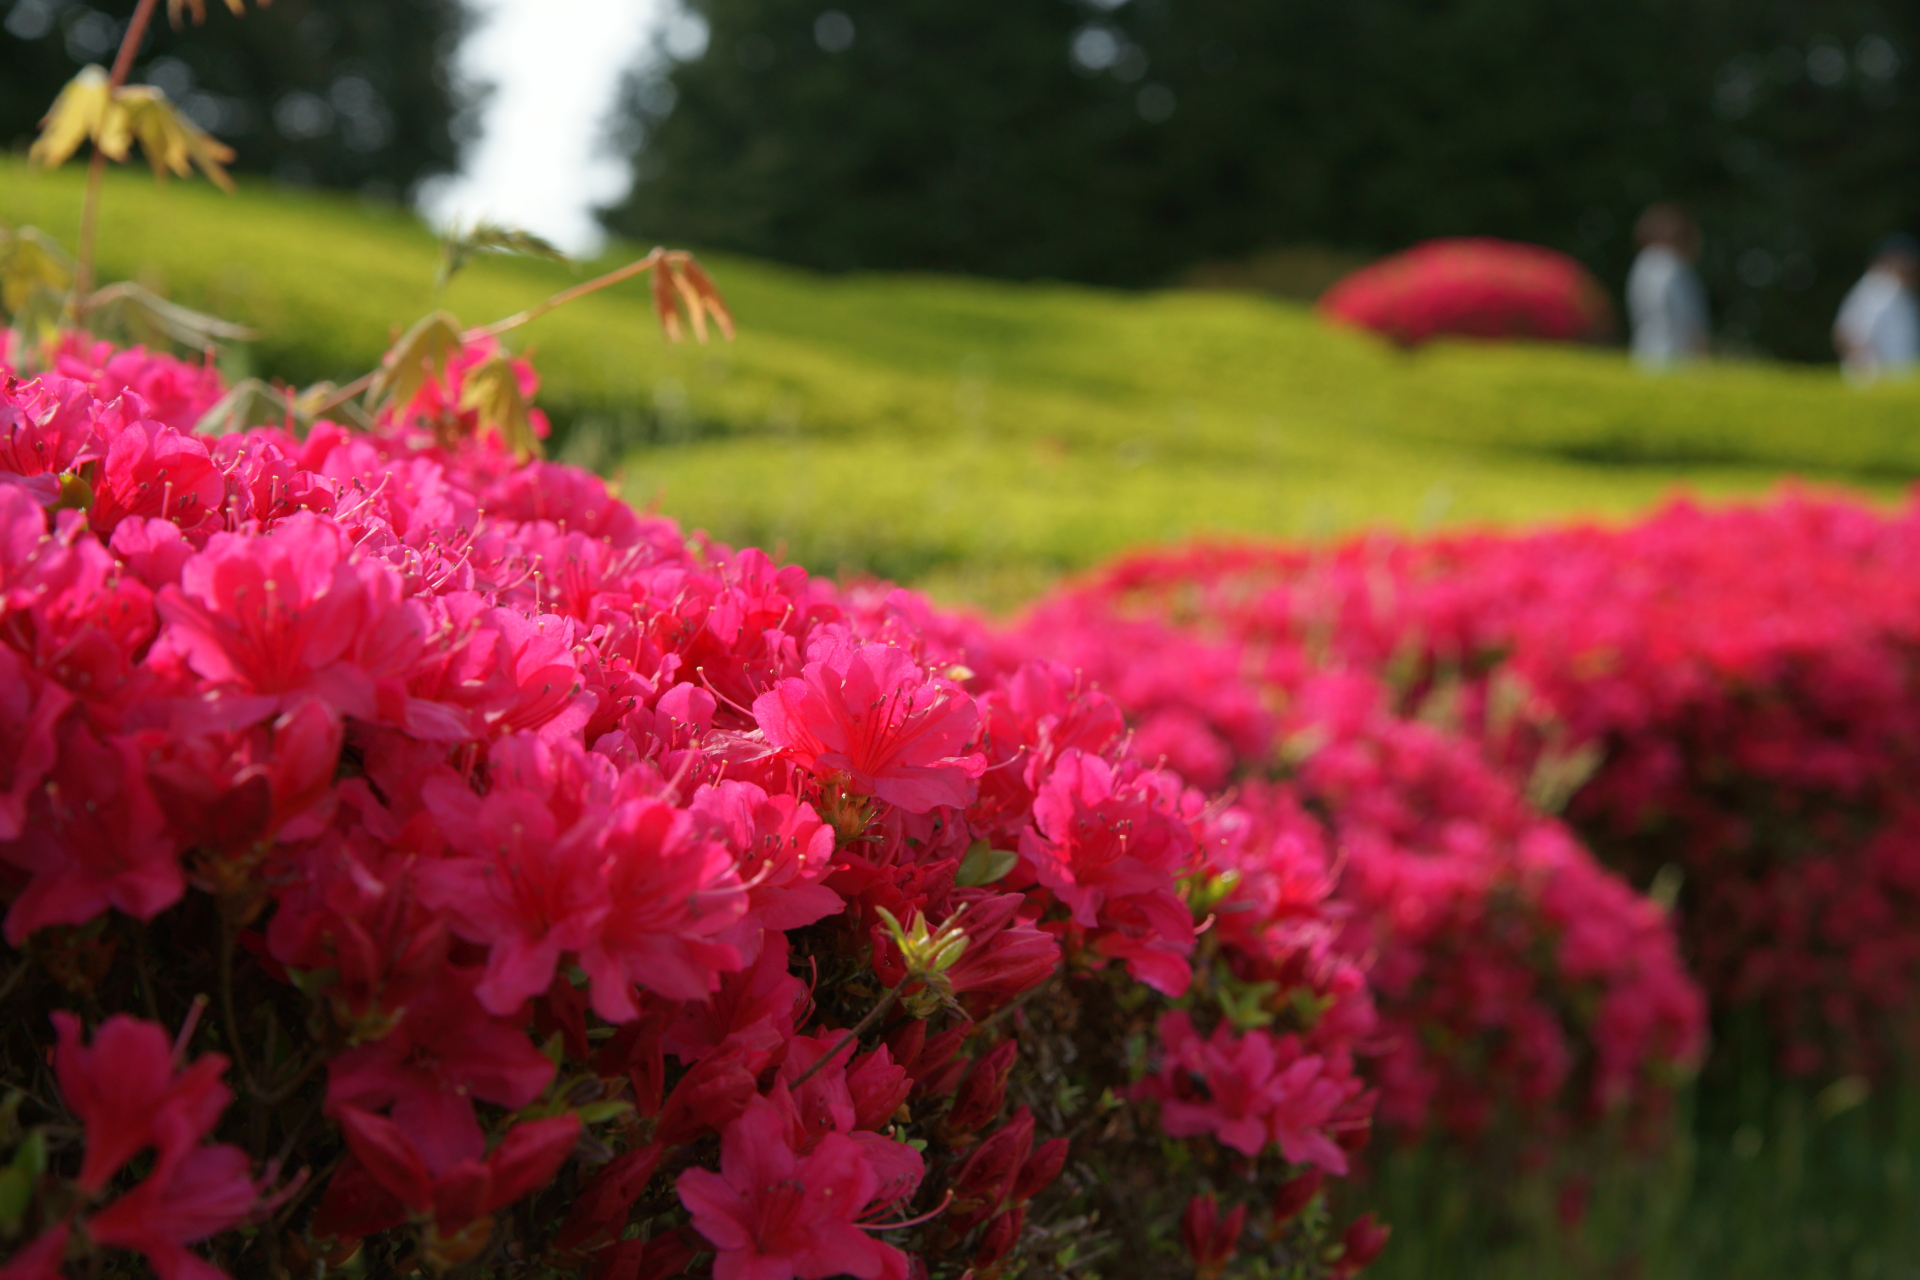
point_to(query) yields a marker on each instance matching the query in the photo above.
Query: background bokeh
(1141, 143)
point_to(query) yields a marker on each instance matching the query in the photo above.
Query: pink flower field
(415, 857)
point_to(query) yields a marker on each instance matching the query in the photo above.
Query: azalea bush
(415, 858)
(1473, 287)
(1722, 704)
(1523, 990)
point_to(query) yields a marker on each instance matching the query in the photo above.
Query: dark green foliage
(339, 93)
(949, 135)
(960, 136)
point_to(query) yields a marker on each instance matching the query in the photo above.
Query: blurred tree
(339, 93)
(1123, 141)
(914, 133)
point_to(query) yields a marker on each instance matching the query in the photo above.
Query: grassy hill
(980, 438)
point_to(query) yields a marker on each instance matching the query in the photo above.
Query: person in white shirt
(1878, 330)
(1666, 303)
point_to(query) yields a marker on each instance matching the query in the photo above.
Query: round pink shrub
(1475, 287)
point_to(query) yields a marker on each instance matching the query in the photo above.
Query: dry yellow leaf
(76, 116)
(89, 108)
(172, 142)
(199, 9)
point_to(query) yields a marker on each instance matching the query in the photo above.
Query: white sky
(555, 66)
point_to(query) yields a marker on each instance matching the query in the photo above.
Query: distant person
(1666, 303)
(1878, 330)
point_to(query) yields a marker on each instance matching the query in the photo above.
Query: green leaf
(127, 312)
(421, 353)
(461, 247)
(251, 403)
(171, 142)
(984, 864)
(492, 390)
(16, 1193)
(313, 983)
(31, 262)
(30, 1157)
(601, 1112)
(555, 1048)
(91, 109)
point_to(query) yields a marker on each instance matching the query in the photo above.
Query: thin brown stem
(130, 43)
(13, 979)
(343, 394)
(565, 296)
(89, 208)
(280, 1093)
(234, 1038)
(653, 259)
(879, 1011)
(1020, 1000)
(97, 165)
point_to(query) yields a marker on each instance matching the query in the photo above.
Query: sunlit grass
(982, 438)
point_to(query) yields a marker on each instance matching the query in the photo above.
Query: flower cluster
(1511, 971)
(174, 392)
(1724, 704)
(576, 892)
(1473, 287)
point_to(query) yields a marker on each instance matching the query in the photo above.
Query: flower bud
(928, 1059)
(1212, 1242)
(978, 1100)
(1295, 1196)
(987, 1178)
(1001, 1234)
(1364, 1239)
(927, 954)
(877, 1088)
(1041, 1168)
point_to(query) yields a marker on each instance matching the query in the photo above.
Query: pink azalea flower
(780, 846)
(284, 613)
(152, 470)
(868, 711)
(444, 1053)
(125, 1090)
(29, 708)
(174, 392)
(1248, 1090)
(45, 426)
(671, 896)
(390, 1179)
(1109, 845)
(40, 1258)
(523, 886)
(225, 793)
(772, 1214)
(199, 1194)
(82, 620)
(93, 839)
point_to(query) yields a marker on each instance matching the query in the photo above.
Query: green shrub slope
(981, 438)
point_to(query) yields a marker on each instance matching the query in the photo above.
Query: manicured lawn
(982, 438)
